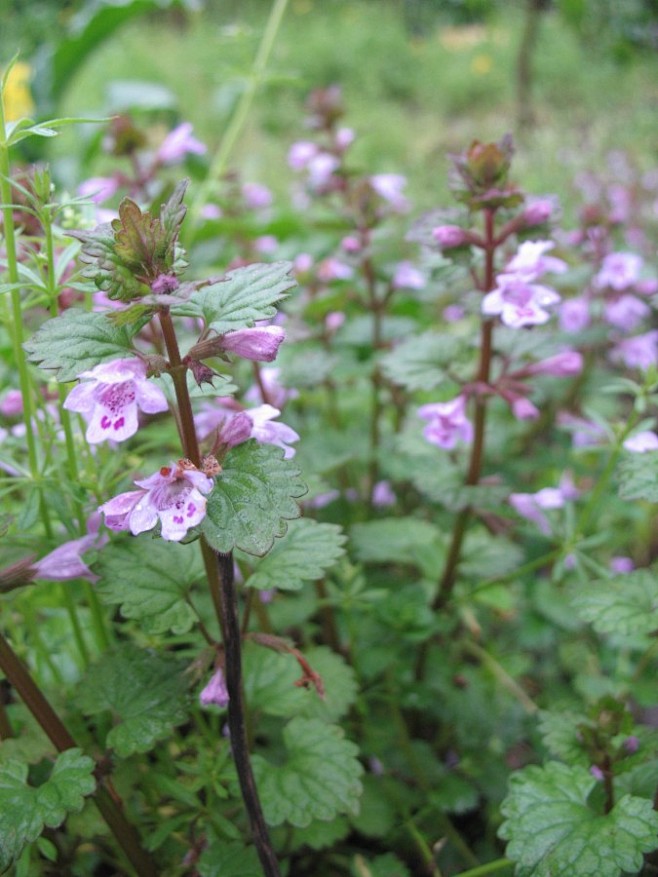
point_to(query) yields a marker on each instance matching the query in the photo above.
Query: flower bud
(448, 236)
(260, 343)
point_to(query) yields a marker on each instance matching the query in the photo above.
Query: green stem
(502, 676)
(59, 736)
(489, 868)
(220, 161)
(16, 315)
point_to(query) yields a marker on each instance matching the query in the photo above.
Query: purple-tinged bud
(215, 693)
(562, 365)
(202, 373)
(621, 564)
(164, 284)
(596, 772)
(524, 409)
(351, 243)
(538, 211)
(448, 236)
(12, 404)
(631, 744)
(260, 344)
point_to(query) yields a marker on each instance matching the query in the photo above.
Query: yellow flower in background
(481, 64)
(16, 99)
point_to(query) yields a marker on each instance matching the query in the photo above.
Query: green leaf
(92, 25)
(627, 605)
(302, 555)
(252, 499)
(150, 580)
(25, 810)
(77, 341)
(398, 540)
(420, 363)
(638, 476)
(222, 859)
(242, 297)
(318, 780)
(553, 832)
(270, 683)
(146, 692)
(559, 730)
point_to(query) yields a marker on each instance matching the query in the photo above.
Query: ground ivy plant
(445, 665)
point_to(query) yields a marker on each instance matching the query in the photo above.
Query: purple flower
(98, 189)
(334, 320)
(619, 271)
(447, 423)
(448, 236)
(530, 261)
(351, 244)
(173, 496)
(333, 269)
(642, 442)
(266, 431)
(597, 773)
(626, 312)
(321, 169)
(66, 562)
(109, 400)
(256, 196)
(640, 351)
(260, 343)
(276, 394)
(389, 187)
(383, 495)
(532, 505)
(519, 302)
(215, 691)
(344, 138)
(300, 154)
(574, 315)
(407, 276)
(178, 143)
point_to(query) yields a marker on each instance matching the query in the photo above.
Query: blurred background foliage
(573, 78)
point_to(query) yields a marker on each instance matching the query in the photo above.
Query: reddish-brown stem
(178, 372)
(219, 572)
(449, 576)
(125, 834)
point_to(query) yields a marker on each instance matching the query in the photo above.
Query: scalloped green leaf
(552, 831)
(302, 555)
(627, 605)
(270, 683)
(420, 363)
(144, 691)
(26, 810)
(242, 297)
(78, 341)
(150, 583)
(252, 499)
(398, 540)
(318, 780)
(638, 476)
